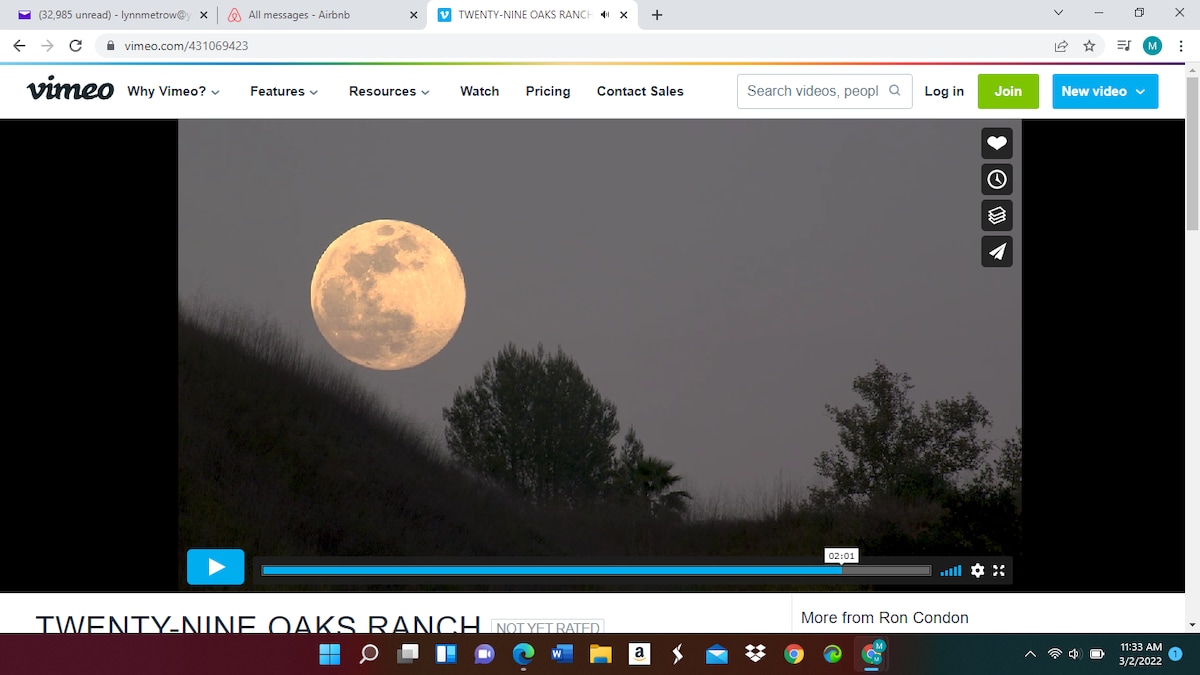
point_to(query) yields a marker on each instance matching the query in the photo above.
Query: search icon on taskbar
(369, 653)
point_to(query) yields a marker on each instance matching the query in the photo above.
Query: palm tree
(648, 481)
(655, 485)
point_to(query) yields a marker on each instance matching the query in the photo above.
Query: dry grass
(282, 453)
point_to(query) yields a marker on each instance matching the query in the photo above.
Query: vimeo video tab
(874, 651)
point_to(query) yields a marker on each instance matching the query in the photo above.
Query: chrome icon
(523, 653)
(833, 653)
(793, 653)
(872, 654)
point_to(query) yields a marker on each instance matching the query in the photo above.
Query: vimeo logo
(444, 15)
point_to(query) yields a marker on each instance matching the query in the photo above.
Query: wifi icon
(1055, 652)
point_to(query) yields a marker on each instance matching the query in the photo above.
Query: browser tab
(480, 16)
(341, 15)
(274, 15)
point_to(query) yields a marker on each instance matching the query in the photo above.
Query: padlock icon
(111, 46)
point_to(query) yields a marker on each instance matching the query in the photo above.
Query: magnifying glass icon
(894, 89)
(369, 653)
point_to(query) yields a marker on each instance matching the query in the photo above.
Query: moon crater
(388, 295)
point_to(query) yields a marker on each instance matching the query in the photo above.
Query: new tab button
(1106, 92)
(216, 567)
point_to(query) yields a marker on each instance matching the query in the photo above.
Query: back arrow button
(17, 45)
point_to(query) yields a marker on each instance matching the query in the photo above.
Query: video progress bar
(594, 570)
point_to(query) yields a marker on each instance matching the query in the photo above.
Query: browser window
(606, 318)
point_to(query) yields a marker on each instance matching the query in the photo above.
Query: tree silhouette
(890, 447)
(647, 482)
(533, 423)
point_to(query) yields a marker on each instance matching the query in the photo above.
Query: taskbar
(762, 654)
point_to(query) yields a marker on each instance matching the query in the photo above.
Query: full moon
(388, 295)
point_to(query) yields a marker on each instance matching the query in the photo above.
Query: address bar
(675, 47)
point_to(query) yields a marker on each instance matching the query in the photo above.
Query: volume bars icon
(955, 571)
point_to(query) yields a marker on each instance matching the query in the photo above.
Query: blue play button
(216, 567)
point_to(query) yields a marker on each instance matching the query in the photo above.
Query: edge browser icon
(523, 654)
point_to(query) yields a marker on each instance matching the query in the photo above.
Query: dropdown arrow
(1140, 91)
(424, 91)
(1058, 12)
(312, 91)
(214, 91)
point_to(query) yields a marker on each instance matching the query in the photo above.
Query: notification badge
(870, 654)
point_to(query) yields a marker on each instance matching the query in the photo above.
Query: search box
(825, 91)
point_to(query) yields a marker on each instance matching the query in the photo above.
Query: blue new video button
(1105, 92)
(216, 567)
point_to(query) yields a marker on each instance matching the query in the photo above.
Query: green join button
(1008, 91)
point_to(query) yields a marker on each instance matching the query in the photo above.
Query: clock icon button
(997, 179)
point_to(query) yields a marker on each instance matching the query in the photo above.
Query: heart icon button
(997, 142)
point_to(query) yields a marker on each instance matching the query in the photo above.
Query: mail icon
(716, 656)
(24, 14)
(601, 654)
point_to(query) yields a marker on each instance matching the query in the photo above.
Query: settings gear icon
(977, 570)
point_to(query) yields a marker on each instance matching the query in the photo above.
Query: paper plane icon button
(997, 252)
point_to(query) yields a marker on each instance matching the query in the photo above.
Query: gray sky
(720, 281)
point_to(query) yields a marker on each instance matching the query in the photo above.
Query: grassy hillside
(280, 453)
(284, 454)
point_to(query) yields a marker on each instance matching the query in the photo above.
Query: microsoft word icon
(444, 15)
